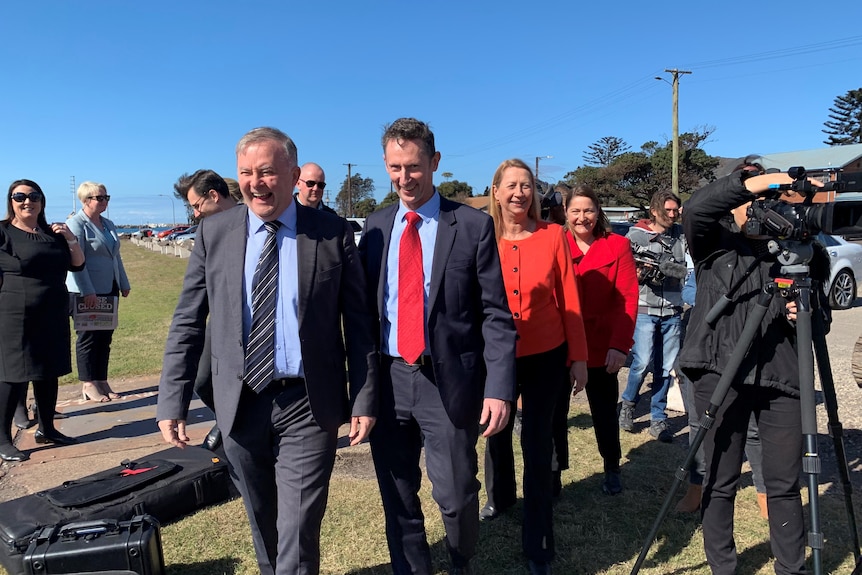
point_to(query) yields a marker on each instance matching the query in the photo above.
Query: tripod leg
(836, 430)
(752, 326)
(811, 457)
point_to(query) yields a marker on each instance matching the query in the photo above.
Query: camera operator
(659, 251)
(767, 384)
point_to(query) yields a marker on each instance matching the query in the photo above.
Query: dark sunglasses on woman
(32, 196)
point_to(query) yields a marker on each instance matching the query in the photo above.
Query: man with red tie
(447, 341)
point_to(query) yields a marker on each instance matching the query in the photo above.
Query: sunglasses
(197, 205)
(312, 183)
(99, 199)
(32, 196)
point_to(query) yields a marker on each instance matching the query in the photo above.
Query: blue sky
(133, 94)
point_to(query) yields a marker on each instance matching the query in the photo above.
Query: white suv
(358, 224)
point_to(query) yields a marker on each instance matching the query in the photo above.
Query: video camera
(653, 267)
(777, 218)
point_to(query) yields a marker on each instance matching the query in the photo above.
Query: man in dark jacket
(767, 382)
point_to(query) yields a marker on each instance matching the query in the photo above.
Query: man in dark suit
(207, 194)
(280, 430)
(312, 182)
(460, 374)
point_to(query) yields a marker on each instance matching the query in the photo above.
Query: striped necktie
(260, 350)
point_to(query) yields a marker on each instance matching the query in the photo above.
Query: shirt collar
(427, 211)
(287, 219)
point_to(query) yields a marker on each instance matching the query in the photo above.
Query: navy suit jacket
(332, 292)
(470, 328)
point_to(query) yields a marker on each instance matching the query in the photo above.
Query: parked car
(184, 237)
(176, 229)
(845, 269)
(357, 224)
(621, 228)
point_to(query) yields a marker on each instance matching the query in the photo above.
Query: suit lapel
(306, 260)
(386, 229)
(446, 232)
(236, 239)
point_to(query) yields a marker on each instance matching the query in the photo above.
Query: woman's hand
(615, 360)
(64, 231)
(578, 376)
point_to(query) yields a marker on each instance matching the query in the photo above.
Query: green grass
(144, 316)
(595, 534)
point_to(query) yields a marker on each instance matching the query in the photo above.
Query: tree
(363, 207)
(845, 127)
(447, 175)
(391, 198)
(605, 151)
(455, 190)
(349, 196)
(633, 177)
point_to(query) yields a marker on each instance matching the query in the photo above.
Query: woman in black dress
(34, 311)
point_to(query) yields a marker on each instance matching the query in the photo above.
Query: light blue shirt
(430, 214)
(288, 355)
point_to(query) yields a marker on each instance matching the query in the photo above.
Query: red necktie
(411, 293)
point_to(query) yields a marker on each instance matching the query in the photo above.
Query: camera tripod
(811, 341)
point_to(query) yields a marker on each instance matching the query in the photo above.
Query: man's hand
(615, 360)
(174, 432)
(790, 310)
(495, 412)
(578, 376)
(360, 427)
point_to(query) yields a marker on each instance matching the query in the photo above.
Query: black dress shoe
(22, 425)
(55, 436)
(539, 567)
(10, 453)
(213, 439)
(489, 512)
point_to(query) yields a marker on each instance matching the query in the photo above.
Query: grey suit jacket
(331, 293)
(470, 328)
(103, 265)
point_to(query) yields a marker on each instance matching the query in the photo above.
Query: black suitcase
(103, 546)
(166, 485)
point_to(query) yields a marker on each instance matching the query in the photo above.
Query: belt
(422, 360)
(287, 382)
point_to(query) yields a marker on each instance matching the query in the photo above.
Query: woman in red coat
(609, 289)
(551, 353)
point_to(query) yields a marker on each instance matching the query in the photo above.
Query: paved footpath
(125, 429)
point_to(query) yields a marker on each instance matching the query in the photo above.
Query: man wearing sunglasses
(311, 184)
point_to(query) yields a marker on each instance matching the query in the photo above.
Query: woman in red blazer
(551, 352)
(608, 286)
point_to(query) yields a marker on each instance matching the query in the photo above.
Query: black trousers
(602, 394)
(93, 351)
(281, 462)
(45, 394)
(412, 417)
(540, 378)
(779, 423)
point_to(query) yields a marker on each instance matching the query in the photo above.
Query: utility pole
(74, 196)
(537, 164)
(675, 85)
(349, 191)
